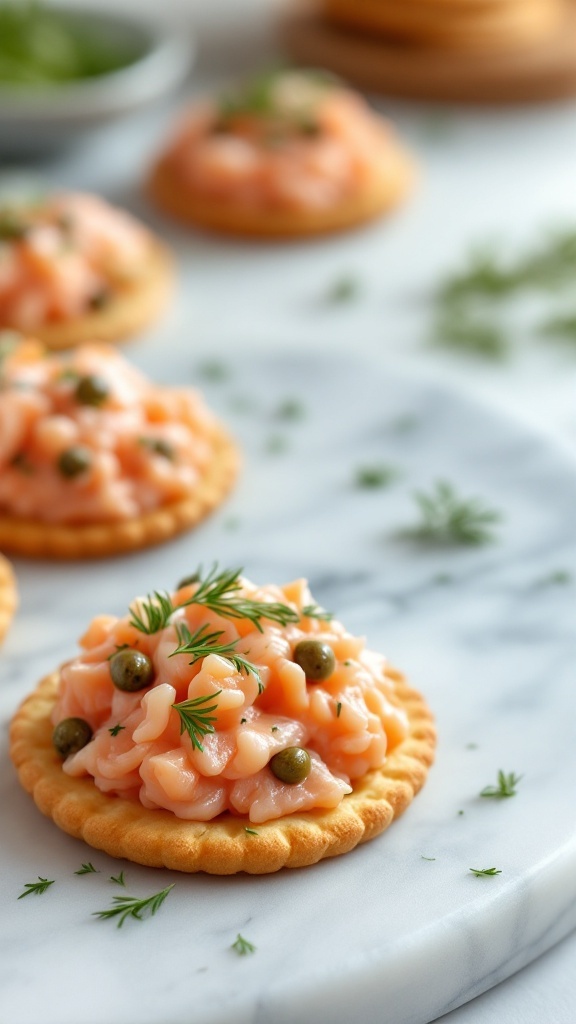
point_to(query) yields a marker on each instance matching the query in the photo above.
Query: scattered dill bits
(242, 946)
(376, 476)
(338, 708)
(36, 887)
(489, 872)
(129, 906)
(560, 577)
(290, 409)
(214, 371)
(461, 331)
(442, 579)
(196, 719)
(118, 879)
(344, 289)
(243, 721)
(274, 728)
(276, 445)
(314, 611)
(87, 869)
(460, 813)
(506, 786)
(251, 831)
(422, 857)
(116, 729)
(484, 276)
(448, 519)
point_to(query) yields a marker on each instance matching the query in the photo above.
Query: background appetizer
(223, 727)
(289, 154)
(8, 596)
(73, 269)
(95, 459)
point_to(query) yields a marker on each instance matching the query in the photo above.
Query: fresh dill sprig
(338, 708)
(202, 643)
(118, 879)
(152, 613)
(116, 729)
(462, 331)
(196, 718)
(36, 887)
(218, 591)
(448, 519)
(422, 857)
(375, 476)
(506, 786)
(87, 869)
(485, 871)
(129, 906)
(242, 946)
(484, 275)
(314, 611)
(251, 831)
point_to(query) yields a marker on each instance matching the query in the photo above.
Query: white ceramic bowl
(34, 121)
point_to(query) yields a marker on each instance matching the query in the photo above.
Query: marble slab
(386, 932)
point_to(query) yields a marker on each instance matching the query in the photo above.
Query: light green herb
(427, 858)
(242, 946)
(129, 906)
(37, 888)
(251, 831)
(344, 289)
(376, 476)
(485, 871)
(118, 879)
(196, 717)
(506, 786)
(448, 519)
(559, 577)
(314, 611)
(116, 729)
(214, 371)
(290, 409)
(86, 869)
(202, 643)
(462, 331)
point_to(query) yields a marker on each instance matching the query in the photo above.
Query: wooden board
(531, 75)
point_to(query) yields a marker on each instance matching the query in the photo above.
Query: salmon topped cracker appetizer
(290, 154)
(224, 727)
(73, 269)
(95, 459)
(8, 596)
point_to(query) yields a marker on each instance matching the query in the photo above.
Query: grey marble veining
(380, 933)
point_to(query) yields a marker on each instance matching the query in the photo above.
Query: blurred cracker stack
(487, 51)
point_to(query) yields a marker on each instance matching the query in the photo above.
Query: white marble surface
(384, 931)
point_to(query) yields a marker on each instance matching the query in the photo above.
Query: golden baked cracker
(479, 27)
(386, 189)
(47, 540)
(157, 838)
(8, 596)
(134, 306)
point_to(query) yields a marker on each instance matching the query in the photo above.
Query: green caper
(131, 670)
(70, 735)
(315, 658)
(159, 446)
(291, 765)
(91, 390)
(74, 461)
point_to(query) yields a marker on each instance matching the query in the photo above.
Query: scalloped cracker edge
(157, 838)
(47, 540)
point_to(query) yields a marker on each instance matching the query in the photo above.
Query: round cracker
(135, 304)
(504, 26)
(156, 838)
(8, 596)
(381, 193)
(48, 540)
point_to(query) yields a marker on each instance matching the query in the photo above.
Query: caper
(291, 765)
(74, 461)
(70, 735)
(159, 446)
(91, 390)
(315, 658)
(131, 670)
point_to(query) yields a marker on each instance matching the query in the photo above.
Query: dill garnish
(202, 643)
(251, 831)
(344, 289)
(375, 476)
(462, 331)
(129, 906)
(242, 946)
(118, 879)
(506, 786)
(314, 611)
(116, 729)
(338, 708)
(196, 718)
(290, 409)
(36, 887)
(86, 869)
(485, 871)
(152, 613)
(448, 519)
